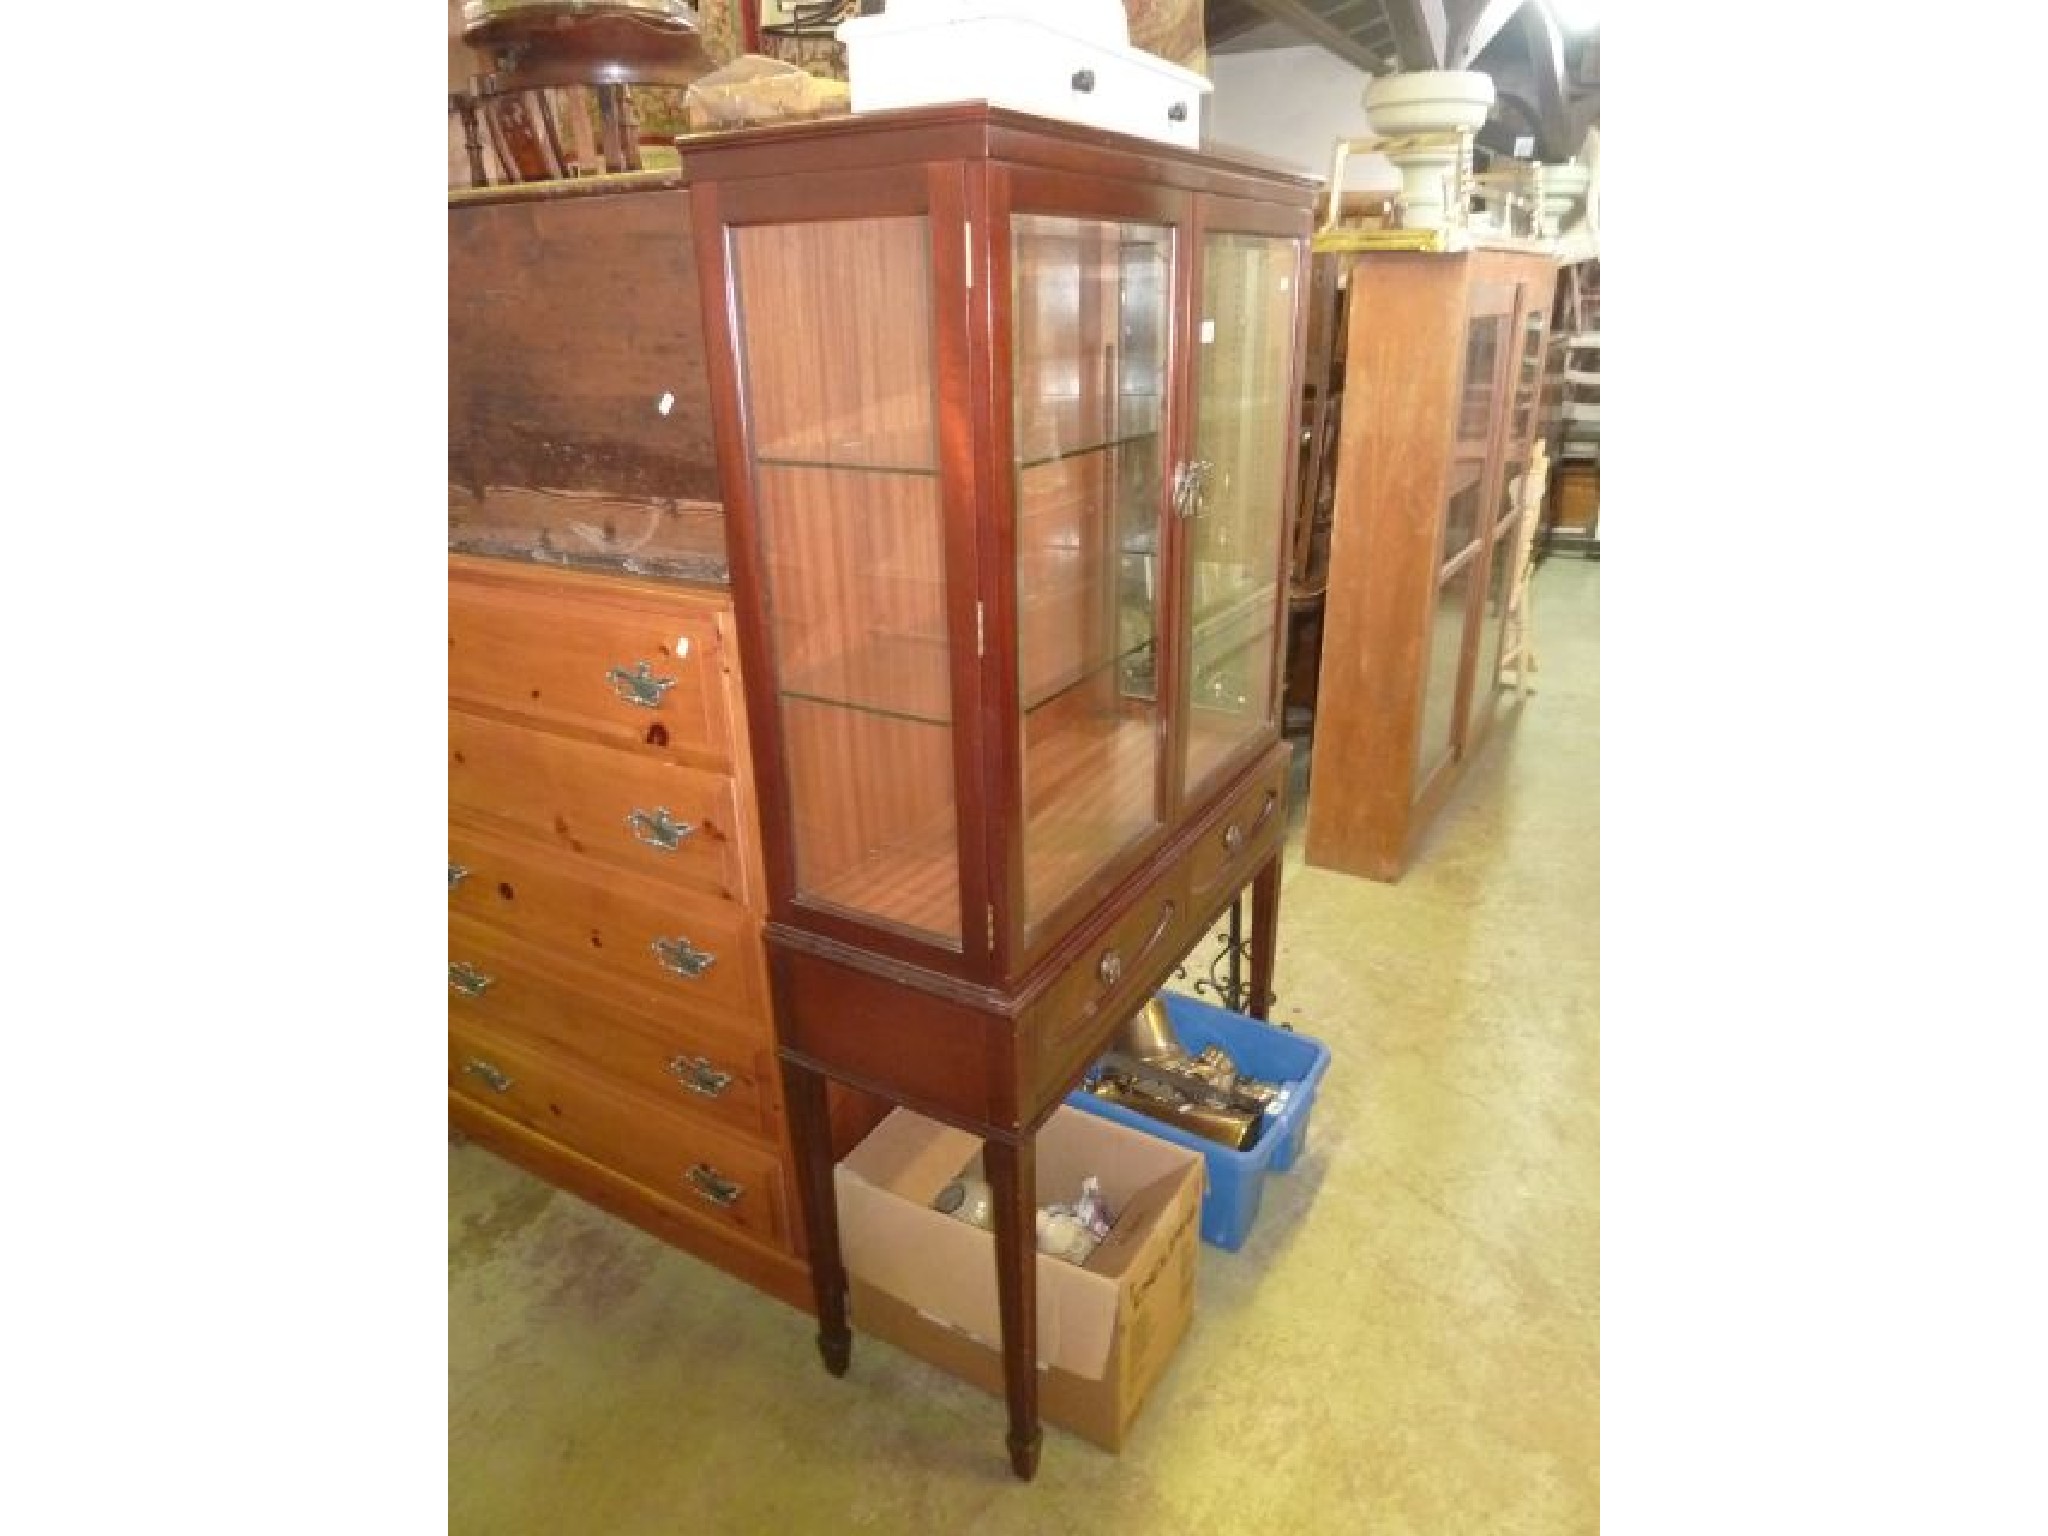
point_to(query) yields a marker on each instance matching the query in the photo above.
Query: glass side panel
(1440, 683)
(1244, 453)
(1483, 339)
(836, 371)
(1090, 322)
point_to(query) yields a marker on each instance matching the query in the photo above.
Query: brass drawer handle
(457, 873)
(699, 1076)
(639, 686)
(682, 957)
(1266, 810)
(1234, 834)
(467, 979)
(713, 1187)
(493, 1079)
(657, 829)
(1109, 969)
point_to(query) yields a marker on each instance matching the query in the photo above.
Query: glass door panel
(1090, 322)
(836, 374)
(1439, 724)
(1236, 496)
(1462, 527)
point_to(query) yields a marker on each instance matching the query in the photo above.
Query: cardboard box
(927, 1283)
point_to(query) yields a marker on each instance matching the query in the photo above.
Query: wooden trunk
(579, 431)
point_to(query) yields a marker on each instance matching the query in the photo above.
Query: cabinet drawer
(727, 1076)
(659, 949)
(1241, 837)
(636, 669)
(726, 1180)
(1075, 1009)
(645, 814)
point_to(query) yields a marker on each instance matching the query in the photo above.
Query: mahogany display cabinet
(1005, 414)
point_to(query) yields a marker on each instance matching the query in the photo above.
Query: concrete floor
(1408, 1341)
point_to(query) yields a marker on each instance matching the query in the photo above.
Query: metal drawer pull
(1083, 81)
(457, 873)
(493, 1079)
(682, 957)
(1272, 800)
(713, 1186)
(467, 979)
(657, 829)
(639, 686)
(699, 1076)
(1109, 969)
(1233, 835)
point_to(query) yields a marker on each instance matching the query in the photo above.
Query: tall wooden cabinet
(1444, 360)
(1005, 420)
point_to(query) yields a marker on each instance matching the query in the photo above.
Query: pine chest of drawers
(609, 1019)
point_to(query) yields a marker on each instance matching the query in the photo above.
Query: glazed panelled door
(1466, 516)
(1232, 495)
(1517, 451)
(837, 376)
(1091, 316)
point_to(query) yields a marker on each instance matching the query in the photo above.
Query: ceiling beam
(1546, 67)
(1414, 47)
(1420, 32)
(1474, 24)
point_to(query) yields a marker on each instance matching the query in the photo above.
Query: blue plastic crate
(1236, 1179)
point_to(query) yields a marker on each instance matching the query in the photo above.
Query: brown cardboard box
(1106, 1331)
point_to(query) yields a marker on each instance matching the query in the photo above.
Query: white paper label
(1208, 332)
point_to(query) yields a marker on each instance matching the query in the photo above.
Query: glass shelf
(877, 463)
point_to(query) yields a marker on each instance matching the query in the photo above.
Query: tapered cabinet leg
(810, 1133)
(1265, 935)
(1013, 1183)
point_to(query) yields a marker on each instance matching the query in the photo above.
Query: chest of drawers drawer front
(727, 1076)
(646, 815)
(643, 675)
(718, 1176)
(659, 948)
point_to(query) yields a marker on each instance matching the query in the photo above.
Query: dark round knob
(1084, 80)
(1177, 113)
(1233, 838)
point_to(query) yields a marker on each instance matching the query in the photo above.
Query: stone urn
(1563, 188)
(1425, 102)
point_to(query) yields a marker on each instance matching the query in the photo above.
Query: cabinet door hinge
(980, 632)
(991, 927)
